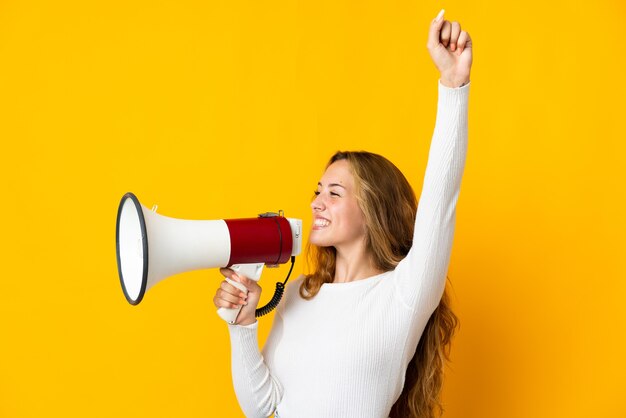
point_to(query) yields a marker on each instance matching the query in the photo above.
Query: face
(337, 218)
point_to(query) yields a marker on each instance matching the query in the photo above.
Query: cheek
(354, 220)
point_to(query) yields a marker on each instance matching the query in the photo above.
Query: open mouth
(320, 223)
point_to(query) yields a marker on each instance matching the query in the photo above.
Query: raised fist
(451, 51)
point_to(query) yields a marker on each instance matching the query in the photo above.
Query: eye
(316, 193)
(333, 194)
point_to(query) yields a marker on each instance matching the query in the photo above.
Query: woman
(366, 334)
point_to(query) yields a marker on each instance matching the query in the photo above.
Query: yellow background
(228, 109)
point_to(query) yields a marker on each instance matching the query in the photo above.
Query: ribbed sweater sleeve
(257, 391)
(422, 273)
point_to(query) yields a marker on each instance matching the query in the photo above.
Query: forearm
(257, 391)
(448, 147)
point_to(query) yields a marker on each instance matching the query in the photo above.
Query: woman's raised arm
(420, 276)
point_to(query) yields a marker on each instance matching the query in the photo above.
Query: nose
(317, 204)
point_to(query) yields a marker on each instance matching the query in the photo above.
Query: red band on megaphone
(259, 240)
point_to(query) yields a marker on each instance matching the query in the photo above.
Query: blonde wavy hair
(389, 205)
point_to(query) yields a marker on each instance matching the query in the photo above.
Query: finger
(454, 35)
(226, 272)
(445, 33)
(232, 274)
(462, 42)
(468, 42)
(221, 303)
(225, 296)
(246, 281)
(227, 287)
(435, 31)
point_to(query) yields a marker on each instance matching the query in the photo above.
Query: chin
(318, 241)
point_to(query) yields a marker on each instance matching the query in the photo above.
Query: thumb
(435, 31)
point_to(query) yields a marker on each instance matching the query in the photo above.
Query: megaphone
(151, 247)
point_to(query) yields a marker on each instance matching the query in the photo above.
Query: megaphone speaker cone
(132, 248)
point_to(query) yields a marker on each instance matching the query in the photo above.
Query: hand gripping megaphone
(151, 247)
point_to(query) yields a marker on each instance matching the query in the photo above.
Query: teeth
(321, 222)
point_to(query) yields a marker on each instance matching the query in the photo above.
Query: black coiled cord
(278, 294)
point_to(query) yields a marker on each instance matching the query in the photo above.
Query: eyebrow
(331, 184)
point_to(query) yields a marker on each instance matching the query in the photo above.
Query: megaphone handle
(250, 270)
(230, 314)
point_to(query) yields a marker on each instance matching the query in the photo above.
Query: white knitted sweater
(345, 352)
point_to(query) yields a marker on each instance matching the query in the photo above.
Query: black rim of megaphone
(144, 236)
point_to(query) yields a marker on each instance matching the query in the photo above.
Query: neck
(354, 263)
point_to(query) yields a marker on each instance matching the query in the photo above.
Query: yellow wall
(228, 109)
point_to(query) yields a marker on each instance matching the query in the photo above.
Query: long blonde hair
(389, 205)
